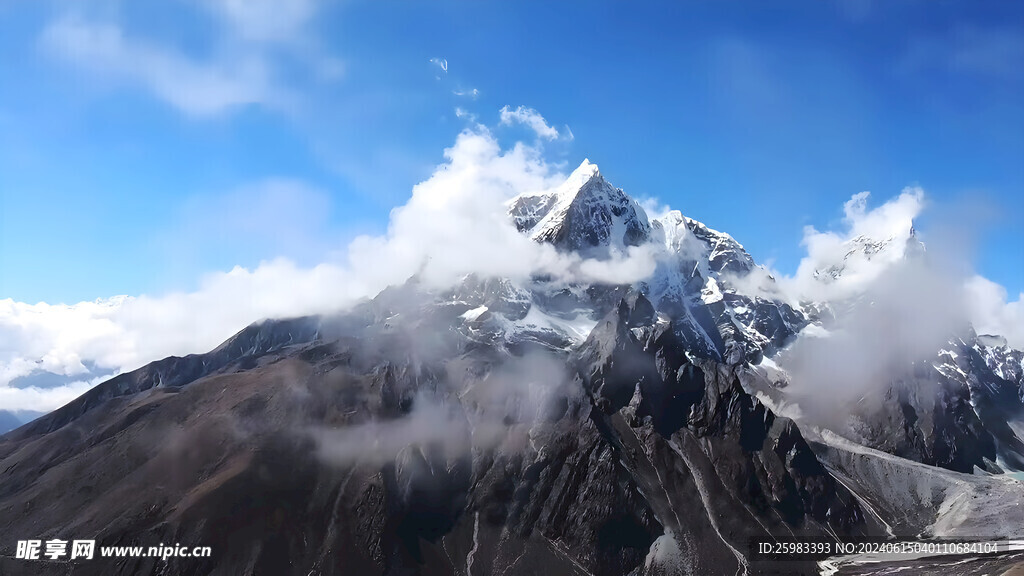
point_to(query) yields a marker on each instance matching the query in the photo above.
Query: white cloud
(455, 223)
(126, 332)
(280, 218)
(194, 87)
(241, 67)
(529, 118)
(891, 223)
(472, 93)
(265, 20)
(123, 333)
(892, 218)
(638, 263)
(993, 313)
(903, 316)
(978, 300)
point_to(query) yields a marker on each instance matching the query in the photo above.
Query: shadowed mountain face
(500, 428)
(960, 411)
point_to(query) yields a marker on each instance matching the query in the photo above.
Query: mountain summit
(586, 214)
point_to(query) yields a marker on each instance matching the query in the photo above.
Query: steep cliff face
(691, 420)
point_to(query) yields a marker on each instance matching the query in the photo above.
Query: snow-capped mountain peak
(692, 283)
(585, 214)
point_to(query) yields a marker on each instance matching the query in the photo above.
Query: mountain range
(552, 425)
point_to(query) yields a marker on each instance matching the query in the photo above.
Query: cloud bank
(123, 333)
(992, 312)
(905, 315)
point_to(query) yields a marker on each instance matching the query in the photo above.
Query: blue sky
(143, 145)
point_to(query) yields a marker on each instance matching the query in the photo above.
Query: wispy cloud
(463, 113)
(194, 87)
(241, 68)
(441, 63)
(991, 52)
(265, 20)
(891, 305)
(471, 93)
(529, 118)
(42, 399)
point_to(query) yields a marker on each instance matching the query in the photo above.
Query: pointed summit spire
(586, 167)
(914, 247)
(584, 173)
(584, 214)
